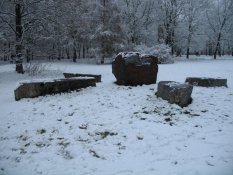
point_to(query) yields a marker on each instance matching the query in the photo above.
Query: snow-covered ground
(118, 130)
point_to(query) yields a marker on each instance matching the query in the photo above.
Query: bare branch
(7, 13)
(5, 21)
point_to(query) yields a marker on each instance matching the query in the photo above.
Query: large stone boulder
(41, 88)
(131, 68)
(71, 75)
(175, 92)
(206, 82)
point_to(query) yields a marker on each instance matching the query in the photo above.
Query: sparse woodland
(73, 29)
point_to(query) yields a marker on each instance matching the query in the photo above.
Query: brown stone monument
(132, 68)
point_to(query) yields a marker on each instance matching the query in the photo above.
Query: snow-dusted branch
(8, 24)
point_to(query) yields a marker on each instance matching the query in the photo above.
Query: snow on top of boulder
(42, 80)
(129, 54)
(131, 57)
(134, 58)
(176, 84)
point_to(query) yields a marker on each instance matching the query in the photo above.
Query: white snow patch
(46, 80)
(118, 130)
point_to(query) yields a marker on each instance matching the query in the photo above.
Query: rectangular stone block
(207, 82)
(35, 89)
(175, 92)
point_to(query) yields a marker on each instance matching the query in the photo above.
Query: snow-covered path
(118, 130)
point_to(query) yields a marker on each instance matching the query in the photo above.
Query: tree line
(73, 29)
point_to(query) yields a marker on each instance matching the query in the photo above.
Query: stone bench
(41, 88)
(206, 82)
(70, 75)
(175, 92)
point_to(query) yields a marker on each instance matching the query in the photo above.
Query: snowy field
(118, 130)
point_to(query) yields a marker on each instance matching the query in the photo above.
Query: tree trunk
(188, 45)
(187, 54)
(219, 50)
(59, 54)
(74, 54)
(223, 49)
(206, 49)
(189, 37)
(210, 49)
(228, 48)
(67, 53)
(160, 34)
(18, 40)
(28, 55)
(102, 60)
(79, 52)
(217, 46)
(103, 53)
(32, 55)
(53, 52)
(84, 50)
(173, 41)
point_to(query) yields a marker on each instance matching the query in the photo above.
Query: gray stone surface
(206, 82)
(35, 89)
(175, 92)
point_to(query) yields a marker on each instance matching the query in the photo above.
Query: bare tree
(193, 11)
(108, 34)
(219, 18)
(170, 13)
(21, 11)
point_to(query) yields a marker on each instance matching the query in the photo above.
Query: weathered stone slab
(35, 89)
(133, 69)
(206, 82)
(70, 75)
(175, 92)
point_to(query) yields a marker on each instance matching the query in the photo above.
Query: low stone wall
(206, 82)
(71, 75)
(175, 92)
(35, 89)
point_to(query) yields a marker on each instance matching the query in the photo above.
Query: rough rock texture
(71, 75)
(35, 89)
(134, 69)
(206, 82)
(175, 92)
